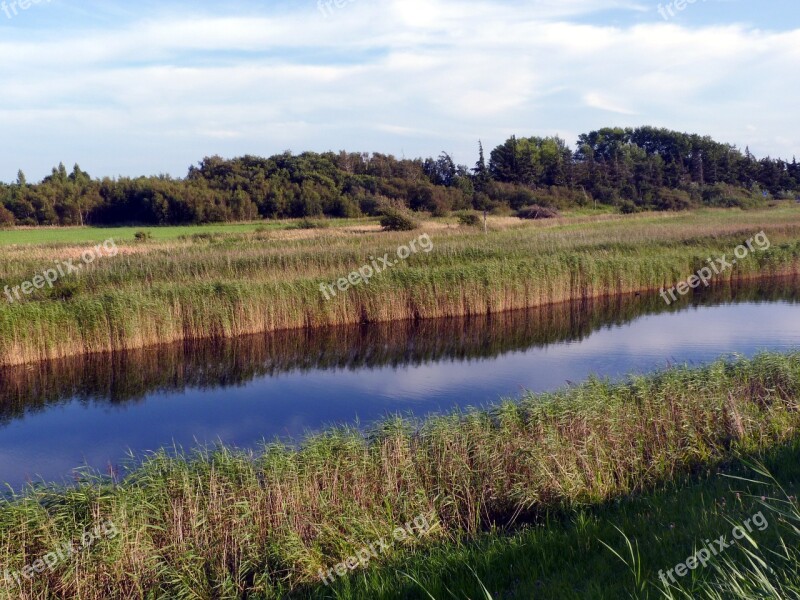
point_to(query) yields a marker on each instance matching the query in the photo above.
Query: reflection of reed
(128, 376)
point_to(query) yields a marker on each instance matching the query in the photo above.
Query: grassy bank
(226, 525)
(566, 556)
(223, 285)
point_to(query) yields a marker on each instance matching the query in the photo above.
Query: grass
(217, 286)
(570, 555)
(225, 524)
(27, 236)
(94, 235)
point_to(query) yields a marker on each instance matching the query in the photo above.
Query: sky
(152, 87)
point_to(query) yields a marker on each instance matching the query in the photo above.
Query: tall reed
(244, 284)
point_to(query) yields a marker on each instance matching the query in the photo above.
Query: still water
(95, 410)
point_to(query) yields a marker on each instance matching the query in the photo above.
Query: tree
(481, 174)
(644, 167)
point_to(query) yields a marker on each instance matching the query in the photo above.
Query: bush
(203, 237)
(6, 217)
(395, 219)
(306, 223)
(468, 219)
(729, 196)
(343, 207)
(143, 236)
(670, 199)
(537, 212)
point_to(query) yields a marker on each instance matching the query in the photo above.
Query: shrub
(204, 237)
(537, 212)
(65, 289)
(468, 219)
(306, 223)
(728, 196)
(396, 219)
(143, 236)
(6, 217)
(670, 199)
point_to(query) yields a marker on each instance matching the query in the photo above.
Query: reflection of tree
(132, 375)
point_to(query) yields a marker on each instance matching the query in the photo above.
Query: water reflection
(56, 415)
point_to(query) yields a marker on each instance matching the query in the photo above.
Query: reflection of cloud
(54, 441)
(708, 329)
(650, 342)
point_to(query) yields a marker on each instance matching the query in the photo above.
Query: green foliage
(652, 168)
(6, 218)
(667, 199)
(168, 289)
(468, 219)
(728, 196)
(306, 223)
(397, 219)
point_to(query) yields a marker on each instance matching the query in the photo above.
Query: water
(93, 410)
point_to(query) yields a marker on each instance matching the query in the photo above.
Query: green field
(89, 235)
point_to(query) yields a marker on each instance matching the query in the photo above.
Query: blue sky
(147, 87)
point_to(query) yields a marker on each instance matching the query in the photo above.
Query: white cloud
(400, 75)
(599, 100)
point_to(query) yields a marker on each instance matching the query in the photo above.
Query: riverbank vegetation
(229, 524)
(218, 285)
(628, 169)
(570, 555)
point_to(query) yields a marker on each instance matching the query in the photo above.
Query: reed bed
(229, 285)
(220, 523)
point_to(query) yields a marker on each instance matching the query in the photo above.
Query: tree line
(633, 169)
